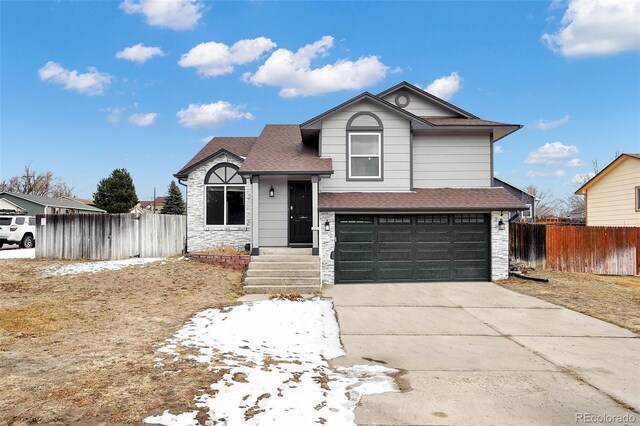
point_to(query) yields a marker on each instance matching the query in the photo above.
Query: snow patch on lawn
(18, 253)
(93, 267)
(268, 363)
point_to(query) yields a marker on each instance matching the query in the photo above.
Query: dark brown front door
(300, 213)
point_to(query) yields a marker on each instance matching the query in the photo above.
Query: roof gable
(235, 146)
(368, 96)
(610, 167)
(441, 104)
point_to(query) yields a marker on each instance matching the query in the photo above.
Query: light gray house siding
(31, 208)
(273, 215)
(419, 106)
(395, 150)
(201, 236)
(451, 161)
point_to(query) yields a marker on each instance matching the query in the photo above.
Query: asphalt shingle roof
(437, 199)
(54, 202)
(279, 149)
(239, 146)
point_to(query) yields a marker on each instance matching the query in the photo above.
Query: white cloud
(556, 173)
(581, 179)
(92, 82)
(113, 114)
(206, 139)
(445, 87)
(211, 115)
(139, 53)
(498, 149)
(551, 153)
(597, 27)
(212, 59)
(576, 162)
(292, 71)
(143, 120)
(548, 125)
(173, 14)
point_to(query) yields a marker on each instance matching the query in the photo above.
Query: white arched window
(224, 196)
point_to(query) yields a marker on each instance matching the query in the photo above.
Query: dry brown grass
(222, 250)
(609, 298)
(80, 348)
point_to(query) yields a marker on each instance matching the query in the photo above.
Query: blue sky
(69, 105)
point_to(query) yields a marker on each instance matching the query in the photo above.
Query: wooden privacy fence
(591, 249)
(109, 236)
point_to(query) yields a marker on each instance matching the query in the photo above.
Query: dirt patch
(609, 298)
(80, 348)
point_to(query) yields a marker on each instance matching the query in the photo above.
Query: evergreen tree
(173, 202)
(116, 193)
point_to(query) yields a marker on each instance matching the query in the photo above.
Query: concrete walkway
(476, 353)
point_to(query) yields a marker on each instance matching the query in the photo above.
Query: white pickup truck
(18, 229)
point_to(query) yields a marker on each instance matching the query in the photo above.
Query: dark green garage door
(400, 248)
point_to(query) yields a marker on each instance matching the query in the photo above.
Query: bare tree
(546, 205)
(32, 182)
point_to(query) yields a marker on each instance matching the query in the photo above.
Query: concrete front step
(281, 258)
(283, 266)
(296, 273)
(282, 281)
(287, 289)
(284, 250)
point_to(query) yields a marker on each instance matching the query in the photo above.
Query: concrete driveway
(476, 353)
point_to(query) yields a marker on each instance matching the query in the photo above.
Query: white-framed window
(638, 198)
(365, 155)
(527, 213)
(224, 196)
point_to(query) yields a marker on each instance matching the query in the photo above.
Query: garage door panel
(470, 271)
(355, 236)
(394, 235)
(400, 248)
(359, 254)
(469, 235)
(431, 271)
(395, 272)
(434, 234)
(357, 274)
(471, 254)
(433, 252)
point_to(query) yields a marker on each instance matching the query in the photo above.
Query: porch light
(501, 225)
(327, 226)
(272, 193)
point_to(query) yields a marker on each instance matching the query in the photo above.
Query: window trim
(638, 198)
(379, 177)
(224, 195)
(206, 187)
(530, 214)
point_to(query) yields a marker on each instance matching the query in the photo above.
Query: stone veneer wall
(201, 236)
(327, 245)
(499, 246)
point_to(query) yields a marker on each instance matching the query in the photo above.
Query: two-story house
(392, 187)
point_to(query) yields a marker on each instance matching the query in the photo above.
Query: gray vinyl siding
(454, 161)
(420, 106)
(395, 151)
(273, 215)
(31, 208)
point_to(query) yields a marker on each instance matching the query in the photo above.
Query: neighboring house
(529, 200)
(577, 215)
(612, 197)
(81, 200)
(383, 188)
(149, 206)
(36, 204)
